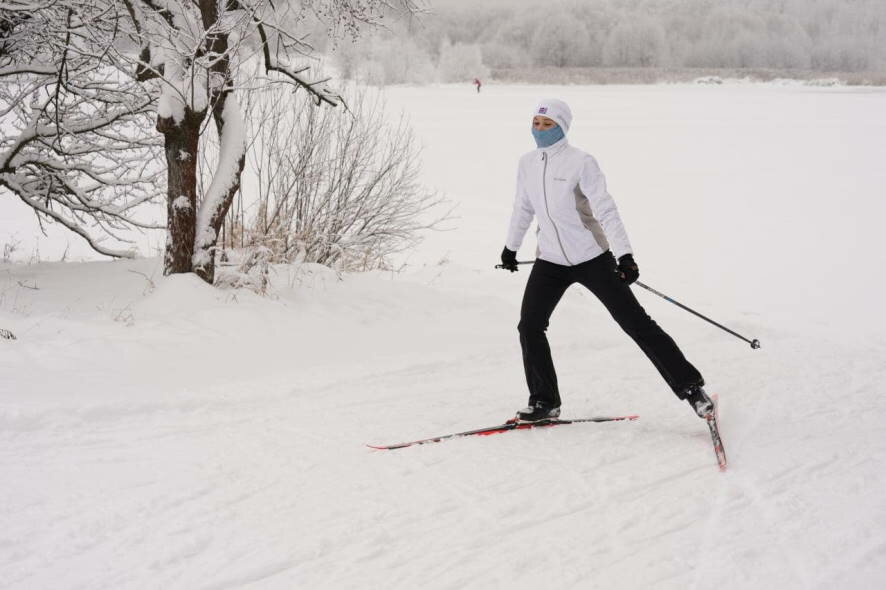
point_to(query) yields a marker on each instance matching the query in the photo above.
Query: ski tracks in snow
(269, 485)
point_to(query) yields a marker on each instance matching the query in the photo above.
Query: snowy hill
(159, 433)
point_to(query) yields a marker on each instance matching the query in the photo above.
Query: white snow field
(159, 433)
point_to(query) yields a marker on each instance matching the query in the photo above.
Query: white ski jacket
(564, 189)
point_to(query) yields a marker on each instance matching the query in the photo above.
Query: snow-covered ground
(158, 433)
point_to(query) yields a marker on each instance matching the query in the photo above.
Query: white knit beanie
(554, 109)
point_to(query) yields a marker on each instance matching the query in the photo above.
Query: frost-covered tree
(822, 34)
(496, 54)
(843, 39)
(786, 44)
(518, 29)
(636, 42)
(845, 55)
(460, 62)
(729, 37)
(187, 56)
(560, 40)
(193, 51)
(507, 45)
(477, 24)
(384, 59)
(598, 18)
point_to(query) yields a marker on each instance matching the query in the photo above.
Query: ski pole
(755, 344)
(518, 262)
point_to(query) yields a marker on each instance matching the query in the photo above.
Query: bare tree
(78, 145)
(337, 188)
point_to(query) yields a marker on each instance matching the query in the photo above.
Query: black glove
(509, 260)
(628, 270)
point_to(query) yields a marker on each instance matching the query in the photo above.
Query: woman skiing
(579, 229)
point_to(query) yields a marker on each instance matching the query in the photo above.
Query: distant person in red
(478, 84)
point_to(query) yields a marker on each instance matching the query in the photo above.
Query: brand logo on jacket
(560, 179)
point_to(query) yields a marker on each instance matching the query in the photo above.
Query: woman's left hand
(628, 271)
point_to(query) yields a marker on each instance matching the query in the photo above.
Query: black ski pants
(546, 285)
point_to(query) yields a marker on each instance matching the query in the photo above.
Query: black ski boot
(699, 401)
(537, 412)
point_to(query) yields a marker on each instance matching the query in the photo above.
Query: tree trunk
(217, 208)
(181, 198)
(206, 271)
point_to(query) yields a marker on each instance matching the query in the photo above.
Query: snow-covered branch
(78, 145)
(272, 64)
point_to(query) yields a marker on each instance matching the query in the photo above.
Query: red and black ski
(506, 427)
(713, 424)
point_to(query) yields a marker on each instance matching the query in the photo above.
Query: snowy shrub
(9, 249)
(332, 187)
(823, 82)
(246, 268)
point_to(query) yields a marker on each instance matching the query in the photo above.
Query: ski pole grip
(518, 262)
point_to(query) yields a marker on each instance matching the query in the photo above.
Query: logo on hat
(542, 110)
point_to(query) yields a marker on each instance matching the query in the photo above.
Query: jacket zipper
(544, 189)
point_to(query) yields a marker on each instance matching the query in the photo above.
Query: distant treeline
(458, 44)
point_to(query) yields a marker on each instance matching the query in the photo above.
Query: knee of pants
(637, 324)
(529, 328)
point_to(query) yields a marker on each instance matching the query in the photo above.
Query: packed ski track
(158, 433)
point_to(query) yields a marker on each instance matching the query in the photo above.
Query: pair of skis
(506, 427)
(711, 419)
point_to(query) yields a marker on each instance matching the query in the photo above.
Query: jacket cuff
(618, 255)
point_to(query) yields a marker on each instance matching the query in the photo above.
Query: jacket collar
(553, 150)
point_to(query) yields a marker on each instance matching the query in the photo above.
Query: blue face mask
(548, 137)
